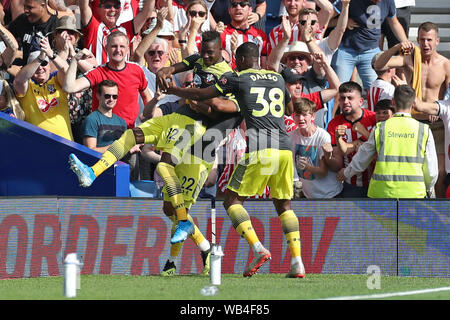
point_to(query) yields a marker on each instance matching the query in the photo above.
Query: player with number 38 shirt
(263, 100)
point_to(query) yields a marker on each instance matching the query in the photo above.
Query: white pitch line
(388, 295)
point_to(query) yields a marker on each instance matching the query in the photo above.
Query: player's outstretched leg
(84, 173)
(241, 222)
(118, 149)
(290, 225)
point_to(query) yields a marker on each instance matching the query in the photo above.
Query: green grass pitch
(233, 287)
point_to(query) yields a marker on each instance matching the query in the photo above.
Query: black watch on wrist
(53, 57)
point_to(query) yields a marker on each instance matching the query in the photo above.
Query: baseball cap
(291, 75)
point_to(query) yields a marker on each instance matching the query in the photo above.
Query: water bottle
(71, 275)
(216, 264)
(209, 291)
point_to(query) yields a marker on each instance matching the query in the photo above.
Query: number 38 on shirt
(272, 102)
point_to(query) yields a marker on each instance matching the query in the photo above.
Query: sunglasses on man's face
(109, 6)
(110, 96)
(298, 57)
(44, 63)
(151, 53)
(303, 22)
(194, 13)
(241, 4)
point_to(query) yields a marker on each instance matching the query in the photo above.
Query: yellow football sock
(115, 152)
(176, 247)
(197, 236)
(291, 230)
(173, 187)
(241, 222)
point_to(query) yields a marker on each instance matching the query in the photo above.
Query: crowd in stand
(86, 70)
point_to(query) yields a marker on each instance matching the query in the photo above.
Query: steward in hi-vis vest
(406, 164)
(400, 144)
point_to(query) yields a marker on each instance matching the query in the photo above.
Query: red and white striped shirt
(252, 34)
(368, 121)
(379, 90)
(276, 34)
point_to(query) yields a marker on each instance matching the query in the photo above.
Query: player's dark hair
(211, 36)
(248, 50)
(106, 83)
(404, 97)
(350, 86)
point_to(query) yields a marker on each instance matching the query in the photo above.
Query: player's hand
(340, 175)
(193, 104)
(136, 148)
(161, 78)
(169, 85)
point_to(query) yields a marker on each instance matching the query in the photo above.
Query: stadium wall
(131, 236)
(34, 162)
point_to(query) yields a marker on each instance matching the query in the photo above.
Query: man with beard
(350, 102)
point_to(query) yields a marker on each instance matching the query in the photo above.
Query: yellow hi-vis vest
(400, 142)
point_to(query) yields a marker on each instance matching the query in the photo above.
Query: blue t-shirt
(369, 17)
(105, 129)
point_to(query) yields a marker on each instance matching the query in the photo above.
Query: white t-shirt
(311, 147)
(444, 114)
